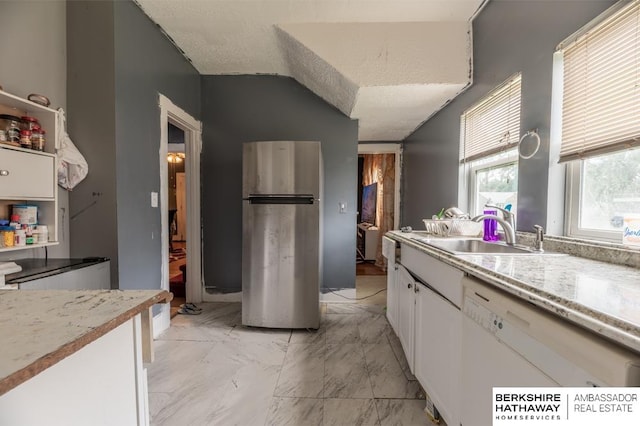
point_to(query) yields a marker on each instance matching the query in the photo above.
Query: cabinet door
(438, 351)
(51, 282)
(25, 175)
(406, 308)
(94, 277)
(392, 296)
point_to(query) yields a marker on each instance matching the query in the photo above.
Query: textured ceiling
(389, 63)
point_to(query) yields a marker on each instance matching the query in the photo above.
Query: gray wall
(146, 64)
(118, 64)
(509, 36)
(236, 109)
(36, 62)
(91, 126)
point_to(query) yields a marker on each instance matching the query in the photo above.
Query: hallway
(210, 370)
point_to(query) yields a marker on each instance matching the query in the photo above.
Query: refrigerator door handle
(280, 199)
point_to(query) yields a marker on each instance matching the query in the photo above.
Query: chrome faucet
(539, 237)
(507, 214)
(509, 232)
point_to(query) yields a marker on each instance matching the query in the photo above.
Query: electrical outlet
(154, 199)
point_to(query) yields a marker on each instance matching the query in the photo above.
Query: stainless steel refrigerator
(281, 236)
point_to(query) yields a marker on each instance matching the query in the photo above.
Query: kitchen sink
(480, 247)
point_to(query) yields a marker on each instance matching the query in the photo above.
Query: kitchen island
(76, 355)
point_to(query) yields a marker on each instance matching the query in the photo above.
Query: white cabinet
(406, 308)
(389, 251)
(93, 277)
(429, 325)
(438, 345)
(28, 176)
(103, 383)
(392, 295)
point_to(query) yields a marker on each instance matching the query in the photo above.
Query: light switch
(154, 199)
(342, 207)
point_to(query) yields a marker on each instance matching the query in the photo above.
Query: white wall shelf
(30, 176)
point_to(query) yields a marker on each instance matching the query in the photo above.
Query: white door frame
(388, 148)
(170, 113)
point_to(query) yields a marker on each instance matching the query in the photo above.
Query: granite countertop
(602, 297)
(39, 328)
(39, 268)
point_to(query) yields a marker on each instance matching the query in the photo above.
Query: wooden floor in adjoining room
(177, 258)
(369, 268)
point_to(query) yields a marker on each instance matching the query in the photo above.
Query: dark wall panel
(237, 109)
(146, 65)
(91, 125)
(118, 63)
(509, 36)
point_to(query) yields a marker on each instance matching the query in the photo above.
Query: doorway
(180, 208)
(177, 216)
(379, 173)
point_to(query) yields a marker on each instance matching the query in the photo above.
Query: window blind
(601, 93)
(493, 124)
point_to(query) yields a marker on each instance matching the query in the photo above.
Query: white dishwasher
(507, 342)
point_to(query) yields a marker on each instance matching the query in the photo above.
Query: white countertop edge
(602, 327)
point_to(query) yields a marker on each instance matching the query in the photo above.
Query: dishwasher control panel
(488, 320)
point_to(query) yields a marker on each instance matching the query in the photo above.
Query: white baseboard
(334, 297)
(348, 293)
(162, 321)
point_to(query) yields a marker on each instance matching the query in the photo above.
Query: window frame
(472, 162)
(574, 168)
(512, 157)
(573, 226)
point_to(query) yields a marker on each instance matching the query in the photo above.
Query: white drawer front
(24, 175)
(389, 251)
(442, 277)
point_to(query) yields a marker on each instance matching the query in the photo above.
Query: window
(600, 123)
(494, 180)
(490, 131)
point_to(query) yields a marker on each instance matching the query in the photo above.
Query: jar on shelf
(29, 123)
(3, 135)
(6, 236)
(41, 234)
(37, 139)
(25, 139)
(19, 237)
(11, 125)
(14, 221)
(28, 234)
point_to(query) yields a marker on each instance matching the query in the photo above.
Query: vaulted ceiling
(391, 64)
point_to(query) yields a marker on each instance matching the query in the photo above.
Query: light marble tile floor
(211, 370)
